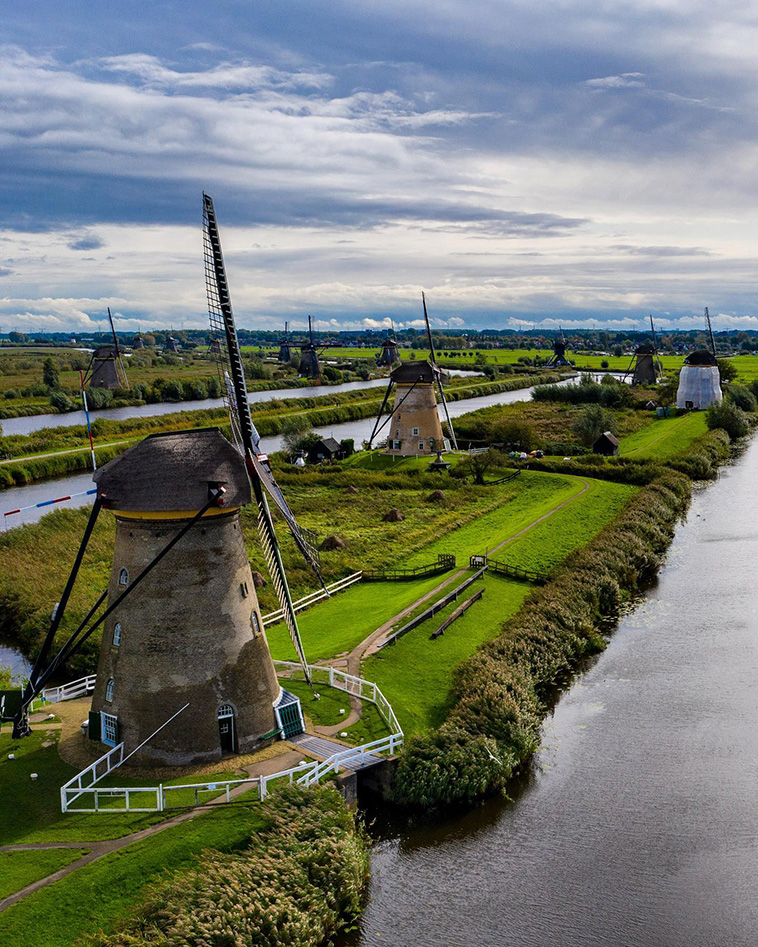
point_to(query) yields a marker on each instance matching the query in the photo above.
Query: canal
(20, 497)
(636, 825)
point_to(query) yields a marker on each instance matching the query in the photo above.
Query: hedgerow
(503, 691)
(297, 882)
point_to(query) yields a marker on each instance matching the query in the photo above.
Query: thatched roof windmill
(414, 422)
(558, 358)
(699, 379)
(106, 367)
(389, 354)
(184, 664)
(285, 349)
(310, 366)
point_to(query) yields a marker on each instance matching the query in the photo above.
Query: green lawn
(325, 712)
(665, 437)
(96, 896)
(548, 544)
(415, 674)
(19, 869)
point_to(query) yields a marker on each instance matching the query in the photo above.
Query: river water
(18, 497)
(638, 823)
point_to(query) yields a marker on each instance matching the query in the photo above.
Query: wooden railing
(512, 572)
(444, 563)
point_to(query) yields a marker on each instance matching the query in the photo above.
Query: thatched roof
(410, 372)
(700, 357)
(171, 472)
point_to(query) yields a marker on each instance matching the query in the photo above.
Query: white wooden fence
(70, 691)
(93, 798)
(273, 617)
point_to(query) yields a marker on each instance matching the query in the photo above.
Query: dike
(503, 692)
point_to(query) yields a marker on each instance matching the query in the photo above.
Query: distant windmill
(699, 379)
(558, 358)
(106, 367)
(414, 420)
(646, 363)
(285, 350)
(310, 366)
(172, 344)
(389, 354)
(137, 342)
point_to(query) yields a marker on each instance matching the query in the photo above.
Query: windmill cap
(700, 357)
(172, 472)
(410, 372)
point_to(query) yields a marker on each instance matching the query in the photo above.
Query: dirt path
(352, 662)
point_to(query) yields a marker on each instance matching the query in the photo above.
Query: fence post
(161, 800)
(263, 787)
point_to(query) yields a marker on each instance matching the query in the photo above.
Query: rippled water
(638, 824)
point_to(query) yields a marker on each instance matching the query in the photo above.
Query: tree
(742, 397)
(727, 369)
(591, 423)
(729, 418)
(294, 432)
(50, 374)
(477, 465)
(514, 435)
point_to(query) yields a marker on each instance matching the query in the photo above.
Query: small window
(123, 577)
(256, 624)
(117, 634)
(109, 690)
(244, 590)
(415, 432)
(225, 710)
(420, 445)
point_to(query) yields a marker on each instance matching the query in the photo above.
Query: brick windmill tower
(185, 673)
(106, 367)
(414, 422)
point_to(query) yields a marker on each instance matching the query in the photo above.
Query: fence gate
(289, 716)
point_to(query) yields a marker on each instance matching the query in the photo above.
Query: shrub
(593, 422)
(729, 418)
(742, 397)
(514, 434)
(61, 401)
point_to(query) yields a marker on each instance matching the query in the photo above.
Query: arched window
(225, 710)
(123, 577)
(109, 690)
(117, 634)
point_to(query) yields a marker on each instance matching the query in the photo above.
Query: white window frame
(117, 635)
(123, 577)
(108, 728)
(109, 689)
(415, 432)
(420, 445)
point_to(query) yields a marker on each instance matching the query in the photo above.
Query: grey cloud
(86, 243)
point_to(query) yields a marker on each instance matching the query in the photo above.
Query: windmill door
(227, 730)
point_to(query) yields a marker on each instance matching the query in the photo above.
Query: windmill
(106, 367)
(415, 427)
(558, 358)
(389, 354)
(699, 379)
(171, 345)
(310, 367)
(138, 342)
(285, 350)
(185, 635)
(646, 363)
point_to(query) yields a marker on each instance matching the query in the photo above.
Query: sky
(572, 162)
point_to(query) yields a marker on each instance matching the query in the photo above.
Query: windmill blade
(235, 389)
(438, 376)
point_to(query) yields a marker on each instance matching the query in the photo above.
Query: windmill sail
(438, 376)
(244, 433)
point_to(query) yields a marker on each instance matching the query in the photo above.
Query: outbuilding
(326, 449)
(607, 444)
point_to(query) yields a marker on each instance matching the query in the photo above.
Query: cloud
(627, 80)
(86, 243)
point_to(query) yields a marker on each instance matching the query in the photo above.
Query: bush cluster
(299, 881)
(502, 692)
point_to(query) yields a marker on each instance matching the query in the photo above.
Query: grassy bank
(502, 692)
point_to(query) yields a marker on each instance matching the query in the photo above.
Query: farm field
(665, 437)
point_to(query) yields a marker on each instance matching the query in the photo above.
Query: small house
(607, 444)
(326, 449)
